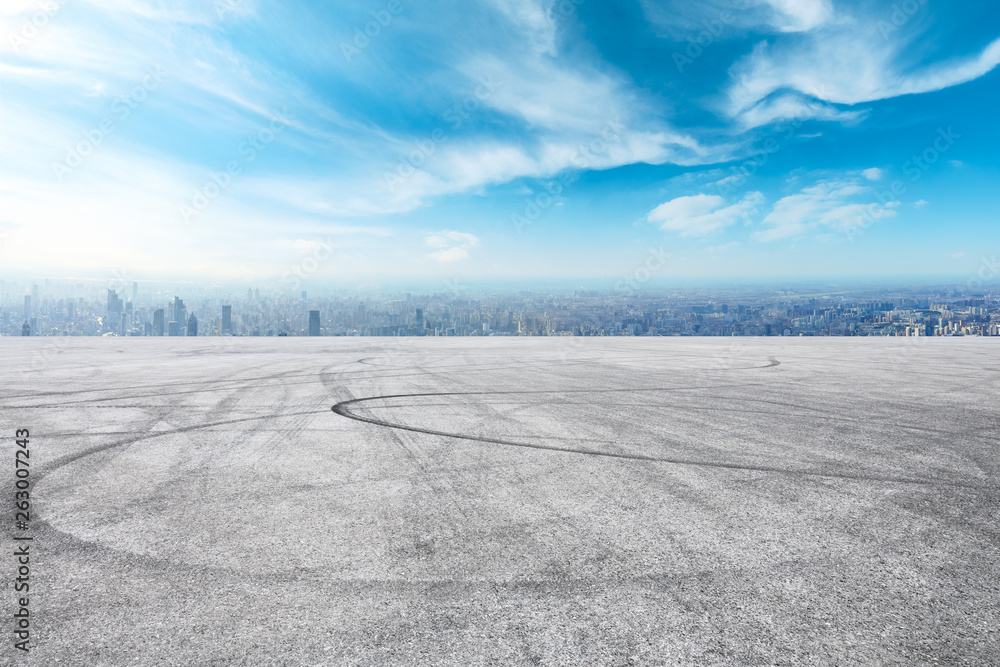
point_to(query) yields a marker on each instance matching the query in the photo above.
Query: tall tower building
(26, 327)
(179, 310)
(192, 325)
(115, 305)
(313, 322)
(227, 320)
(158, 322)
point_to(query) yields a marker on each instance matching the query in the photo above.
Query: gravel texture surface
(559, 501)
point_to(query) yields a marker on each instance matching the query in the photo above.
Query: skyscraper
(192, 325)
(115, 305)
(158, 322)
(227, 320)
(26, 328)
(27, 305)
(313, 322)
(179, 310)
(173, 328)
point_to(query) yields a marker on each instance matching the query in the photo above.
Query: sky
(243, 141)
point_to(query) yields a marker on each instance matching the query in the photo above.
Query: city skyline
(237, 141)
(59, 310)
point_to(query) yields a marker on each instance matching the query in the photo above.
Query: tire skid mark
(343, 409)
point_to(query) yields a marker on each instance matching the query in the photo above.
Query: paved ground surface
(508, 501)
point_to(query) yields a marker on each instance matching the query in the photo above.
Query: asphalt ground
(468, 501)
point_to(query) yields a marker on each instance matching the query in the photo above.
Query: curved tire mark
(343, 409)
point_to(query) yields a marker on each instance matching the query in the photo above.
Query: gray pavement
(557, 501)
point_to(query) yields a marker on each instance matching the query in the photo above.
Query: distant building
(192, 325)
(227, 320)
(158, 322)
(27, 306)
(179, 310)
(173, 328)
(25, 328)
(115, 305)
(313, 322)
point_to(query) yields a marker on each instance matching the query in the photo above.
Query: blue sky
(239, 140)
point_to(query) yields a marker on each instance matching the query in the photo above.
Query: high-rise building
(313, 322)
(115, 305)
(158, 322)
(192, 325)
(227, 320)
(173, 328)
(179, 312)
(25, 328)
(27, 306)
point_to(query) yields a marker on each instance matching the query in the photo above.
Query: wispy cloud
(454, 245)
(698, 215)
(836, 204)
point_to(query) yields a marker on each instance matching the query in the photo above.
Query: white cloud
(703, 214)
(683, 19)
(842, 59)
(444, 239)
(449, 255)
(921, 203)
(957, 255)
(725, 246)
(454, 245)
(831, 204)
(872, 174)
(800, 15)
